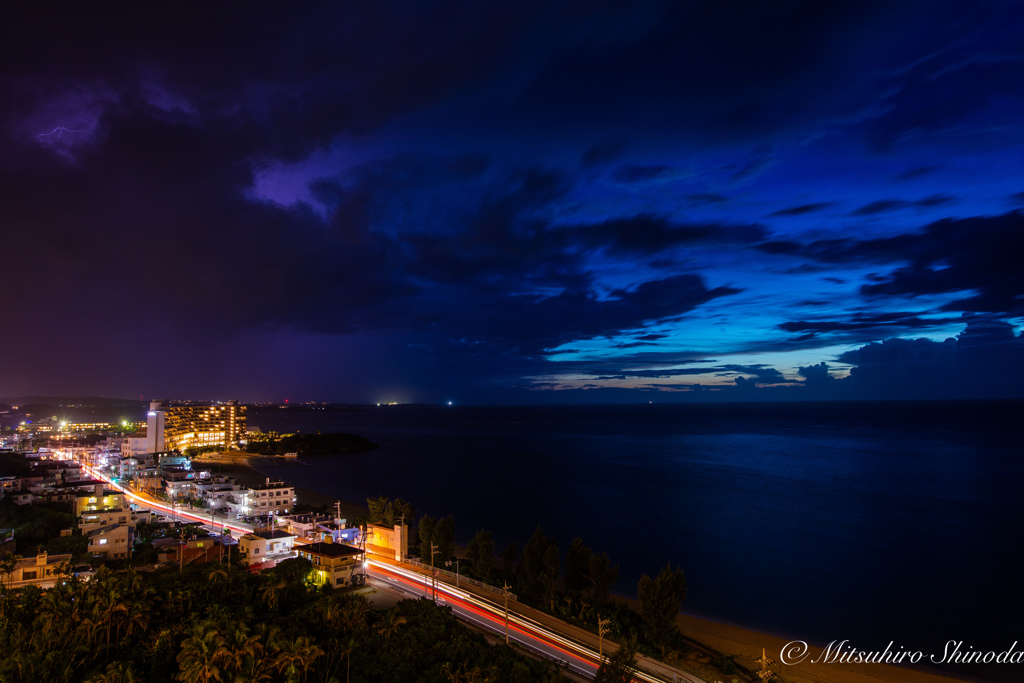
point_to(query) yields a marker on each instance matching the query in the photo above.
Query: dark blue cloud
(916, 173)
(455, 193)
(987, 359)
(888, 205)
(802, 209)
(631, 173)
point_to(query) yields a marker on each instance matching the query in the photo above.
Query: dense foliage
(35, 525)
(579, 595)
(309, 444)
(196, 451)
(212, 623)
(388, 512)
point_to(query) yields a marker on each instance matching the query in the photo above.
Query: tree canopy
(661, 599)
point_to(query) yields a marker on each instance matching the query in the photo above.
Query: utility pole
(362, 542)
(433, 572)
(506, 612)
(602, 631)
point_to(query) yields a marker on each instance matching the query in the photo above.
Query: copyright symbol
(793, 652)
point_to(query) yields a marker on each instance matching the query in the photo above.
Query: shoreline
(746, 644)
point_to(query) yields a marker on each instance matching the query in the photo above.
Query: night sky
(512, 202)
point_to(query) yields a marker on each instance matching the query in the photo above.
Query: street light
(448, 564)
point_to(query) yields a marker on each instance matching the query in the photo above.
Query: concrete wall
(382, 540)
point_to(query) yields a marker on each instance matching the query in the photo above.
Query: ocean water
(872, 522)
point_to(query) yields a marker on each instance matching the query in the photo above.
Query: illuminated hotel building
(179, 427)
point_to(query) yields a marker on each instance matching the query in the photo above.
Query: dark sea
(872, 522)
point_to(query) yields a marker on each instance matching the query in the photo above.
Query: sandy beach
(747, 644)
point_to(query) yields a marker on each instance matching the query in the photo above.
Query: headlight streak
(522, 627)
(487, 625)
(154, 504)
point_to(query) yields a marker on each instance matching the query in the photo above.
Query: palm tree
(345, 647)
(266, 647)
(117, 672)
(389, 623)
(201, 655)
(353, 617)
(132, 581)
(240, 647)
(7, 566)
(136, 617)
(297, 656)
(112, 606)
(269, 591)
(53, 605)
(254, 670)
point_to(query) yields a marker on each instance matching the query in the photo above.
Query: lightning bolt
(60, 130)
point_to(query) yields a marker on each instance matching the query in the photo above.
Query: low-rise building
(270, 498)
(335, 564)
(304, 525)
(110, 541)
(98, 518)
(92, 501)
(42, 570)
(94, 519)
(149, 480)
(391, 542)
(134, 446)
(267, 548)
(178, 483)
(22, 497)
(195, 550)
(217, 492)
(339, 533)
(57, 494)
(128, 469)
(9, 484)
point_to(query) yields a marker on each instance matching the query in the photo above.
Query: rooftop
(42, 559)
(330, 549)
(105, 529)
(270, 485)
(276, 533)
(307, 518)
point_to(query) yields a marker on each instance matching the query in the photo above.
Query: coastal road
(538, 638)
(150, 503)
(529, 633)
